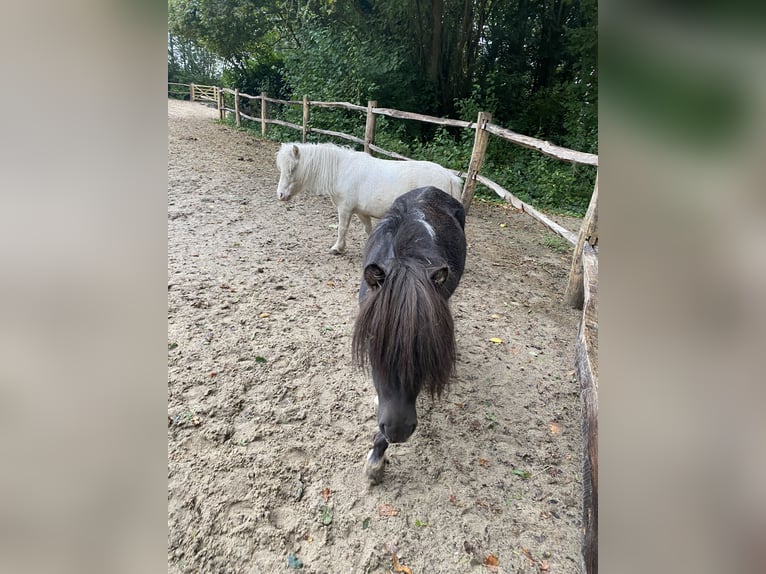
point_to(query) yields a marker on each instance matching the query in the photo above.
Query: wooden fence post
(586, 367)
(477, 156)
(588, 232)
(305, 118)
(236, 107)
(263, 114)
(221, 103)
(369, 127)
(191, 92)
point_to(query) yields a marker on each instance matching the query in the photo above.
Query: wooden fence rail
(422, 118)
(582, 289)
(472, 177)
(177, 89)
(544, 147)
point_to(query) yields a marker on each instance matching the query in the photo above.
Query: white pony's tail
(456, 187)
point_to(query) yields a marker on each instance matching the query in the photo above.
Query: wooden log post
(305, 132)
(236, 108)
(477, 156)
(369, 127)
(588, 232)
(221, 103)
(191, 92)
(586, 367)
(263, 114)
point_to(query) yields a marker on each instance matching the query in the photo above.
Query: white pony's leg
(365, 219)
(344, 217)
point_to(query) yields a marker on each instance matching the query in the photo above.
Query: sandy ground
(269, 423)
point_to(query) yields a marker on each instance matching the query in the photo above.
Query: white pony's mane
(317, 164)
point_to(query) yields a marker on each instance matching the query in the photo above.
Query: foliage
(188, 62)
(533, 64)
(254, 76)
(232, 29)
(241, 33)
(334, 65)
(558, 244)
(544, 182)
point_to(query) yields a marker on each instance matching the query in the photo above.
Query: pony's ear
(440, 276)
(296, 151)
(374, 275)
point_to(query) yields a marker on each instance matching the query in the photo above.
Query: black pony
(413, 261)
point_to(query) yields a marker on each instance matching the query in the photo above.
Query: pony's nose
(397, 433)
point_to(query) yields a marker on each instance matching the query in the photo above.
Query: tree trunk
(434, 63)
(171, 50)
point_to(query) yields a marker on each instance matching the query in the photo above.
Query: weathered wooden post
(369, 127)
(220, 101)
(236, 107)
(477, 156)
(263, 114)
(586, 367)
(305, 118)
(588, 232)
(191, 92)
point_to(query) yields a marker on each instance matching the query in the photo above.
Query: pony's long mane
(405, 330)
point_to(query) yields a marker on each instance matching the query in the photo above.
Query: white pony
(355, 181)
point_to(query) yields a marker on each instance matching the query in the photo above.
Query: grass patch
(558, 244)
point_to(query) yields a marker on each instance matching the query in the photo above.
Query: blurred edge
(83, 287)
(683, 230)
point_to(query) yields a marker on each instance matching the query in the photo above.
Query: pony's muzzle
(285, 191)
(397, 433)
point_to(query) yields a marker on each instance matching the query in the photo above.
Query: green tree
(242, 33)
(532, 63)
(189, 62)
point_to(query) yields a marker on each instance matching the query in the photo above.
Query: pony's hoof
(335, 251)
(374, 469)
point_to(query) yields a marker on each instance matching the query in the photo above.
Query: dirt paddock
(269, 423)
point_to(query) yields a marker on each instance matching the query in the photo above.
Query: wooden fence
(175, 89)
(582, 288)
(196, 92)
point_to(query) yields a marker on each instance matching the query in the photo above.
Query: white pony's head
(288, 158)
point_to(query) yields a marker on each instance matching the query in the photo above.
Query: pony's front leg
(376, 460)
(344, 218)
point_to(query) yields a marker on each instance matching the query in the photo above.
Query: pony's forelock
(405, 331)
(285, 158)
